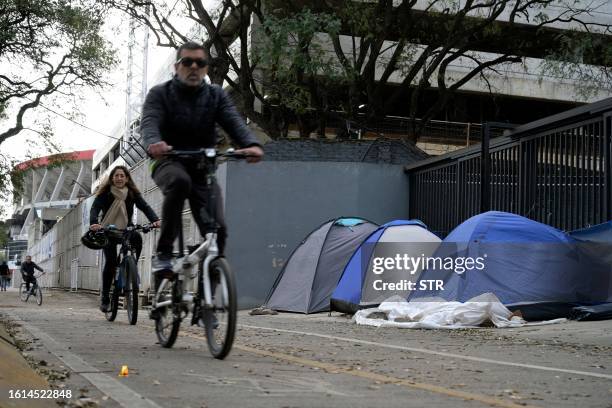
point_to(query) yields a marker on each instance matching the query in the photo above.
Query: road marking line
(125, 396)
(432, 352)
(334, 369)
(331, 368)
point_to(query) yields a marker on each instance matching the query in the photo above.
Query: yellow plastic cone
(124, 371)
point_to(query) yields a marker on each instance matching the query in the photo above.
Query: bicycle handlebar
(138, 227)
(208, 153)
(36, 274)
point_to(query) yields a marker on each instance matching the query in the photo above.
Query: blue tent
(354, 288)
(601, 233)
(529, 266)
(595, 242)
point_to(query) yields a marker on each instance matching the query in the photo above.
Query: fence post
(74, 275)
(608, 165)
(485, 170)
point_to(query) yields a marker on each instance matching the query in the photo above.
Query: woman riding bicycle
(116, 199)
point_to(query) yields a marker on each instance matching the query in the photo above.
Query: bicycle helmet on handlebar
(94, 240)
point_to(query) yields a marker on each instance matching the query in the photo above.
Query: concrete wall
(270, 207)
(60, 246)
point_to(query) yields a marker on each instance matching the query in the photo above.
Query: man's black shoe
(154, 314)
(214, 322)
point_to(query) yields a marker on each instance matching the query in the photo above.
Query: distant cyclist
(27, 272)
(116, 199)
(181, 114)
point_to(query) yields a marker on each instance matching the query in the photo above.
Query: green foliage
(3, 239)
(50, 50)
(293, 56)
(363, 21)
(364, 59)
(567, 61)
(47, 47)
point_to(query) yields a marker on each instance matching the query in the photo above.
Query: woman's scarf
(117, 213)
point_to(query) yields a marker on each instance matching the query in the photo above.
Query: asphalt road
(292, 360)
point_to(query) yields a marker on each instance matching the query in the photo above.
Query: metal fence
(556, 170)
(434, 131)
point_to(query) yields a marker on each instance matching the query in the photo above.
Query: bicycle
(35, 290)
(213, 304)
(126, 282)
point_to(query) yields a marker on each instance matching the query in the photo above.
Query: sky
(100, 112)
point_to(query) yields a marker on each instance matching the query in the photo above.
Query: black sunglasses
(187, 62)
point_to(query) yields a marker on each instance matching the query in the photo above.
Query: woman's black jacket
(103, 202)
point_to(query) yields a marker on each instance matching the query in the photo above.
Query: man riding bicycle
(181, 114)
(27, 272)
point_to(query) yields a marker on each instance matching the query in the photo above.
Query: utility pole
(132, 149)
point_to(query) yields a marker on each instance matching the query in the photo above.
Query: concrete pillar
(60, 183)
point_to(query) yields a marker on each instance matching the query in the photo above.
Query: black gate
(556, 170)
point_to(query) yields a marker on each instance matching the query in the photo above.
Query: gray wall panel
(272, 206)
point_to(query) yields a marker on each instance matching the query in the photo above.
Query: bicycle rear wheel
(168, 322)
(23, 293)
(131, 288)
(114, 302)
(220, 321)
(39, 295)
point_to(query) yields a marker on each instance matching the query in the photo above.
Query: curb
(16, 374)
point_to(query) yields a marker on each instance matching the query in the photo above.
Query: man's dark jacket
(184, 117)
(28, 268)
(104, 201)
(4, 270)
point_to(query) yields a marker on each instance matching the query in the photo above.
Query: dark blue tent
(354, 290)
(596, 243)
(529, 266)
(601, 233)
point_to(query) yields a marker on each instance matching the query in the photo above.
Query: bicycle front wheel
(131, 288)
(23, 292)
(167, 322)
(220, 320)
(38, 296)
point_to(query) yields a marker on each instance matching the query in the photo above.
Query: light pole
(80, 185)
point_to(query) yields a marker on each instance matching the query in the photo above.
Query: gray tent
(314, 268)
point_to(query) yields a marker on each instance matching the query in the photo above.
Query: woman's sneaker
(105, 305)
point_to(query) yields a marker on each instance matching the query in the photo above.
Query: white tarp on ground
(436, 313)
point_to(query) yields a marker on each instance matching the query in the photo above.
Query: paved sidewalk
(293, 360)
(16, 374)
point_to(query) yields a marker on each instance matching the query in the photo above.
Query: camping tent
(529, 266)
(601, 233)
(595, 242)
(360, 285)
(313, 269)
